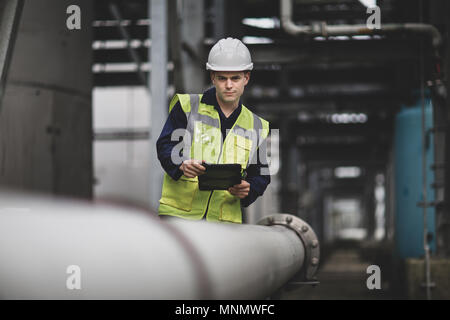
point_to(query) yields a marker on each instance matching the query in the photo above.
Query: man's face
(229, 85)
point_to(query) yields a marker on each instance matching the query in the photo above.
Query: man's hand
(192, 168)
(240, 190)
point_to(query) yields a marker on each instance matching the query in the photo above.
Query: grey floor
(342, 276)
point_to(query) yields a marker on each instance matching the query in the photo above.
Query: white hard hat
(229, 55)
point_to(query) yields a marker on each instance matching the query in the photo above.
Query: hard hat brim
(247, 67)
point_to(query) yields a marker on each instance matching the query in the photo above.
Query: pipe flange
(307, 236)
(319, 28)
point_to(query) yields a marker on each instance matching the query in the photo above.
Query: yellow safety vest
(182, 198)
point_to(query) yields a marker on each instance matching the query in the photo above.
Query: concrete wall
(46, 120)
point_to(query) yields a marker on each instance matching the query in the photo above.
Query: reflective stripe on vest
(203, 141)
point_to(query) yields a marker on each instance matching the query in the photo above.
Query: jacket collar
(209, 97)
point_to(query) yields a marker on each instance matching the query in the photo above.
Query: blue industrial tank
(409, 180)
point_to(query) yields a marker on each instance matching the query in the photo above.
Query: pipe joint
(319, 28)
(306, 235)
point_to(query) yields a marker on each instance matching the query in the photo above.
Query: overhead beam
(118, 55)
(356, 51)
(131, 9)
(354, 162)
(288, 105)
(345, 153)
(103, 33)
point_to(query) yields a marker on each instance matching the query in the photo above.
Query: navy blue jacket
(177, 120)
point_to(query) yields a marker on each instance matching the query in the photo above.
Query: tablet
(219, 176)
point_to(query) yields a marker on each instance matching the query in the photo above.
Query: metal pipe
(10, 13)
(158, 82)
(125, 254)
(426, 246)
(322, 29)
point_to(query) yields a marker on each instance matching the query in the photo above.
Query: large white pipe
(123, 253)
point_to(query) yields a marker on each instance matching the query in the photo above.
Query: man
(217, 128)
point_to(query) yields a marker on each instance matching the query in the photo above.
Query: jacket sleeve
(258, 182)
(176, 120)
